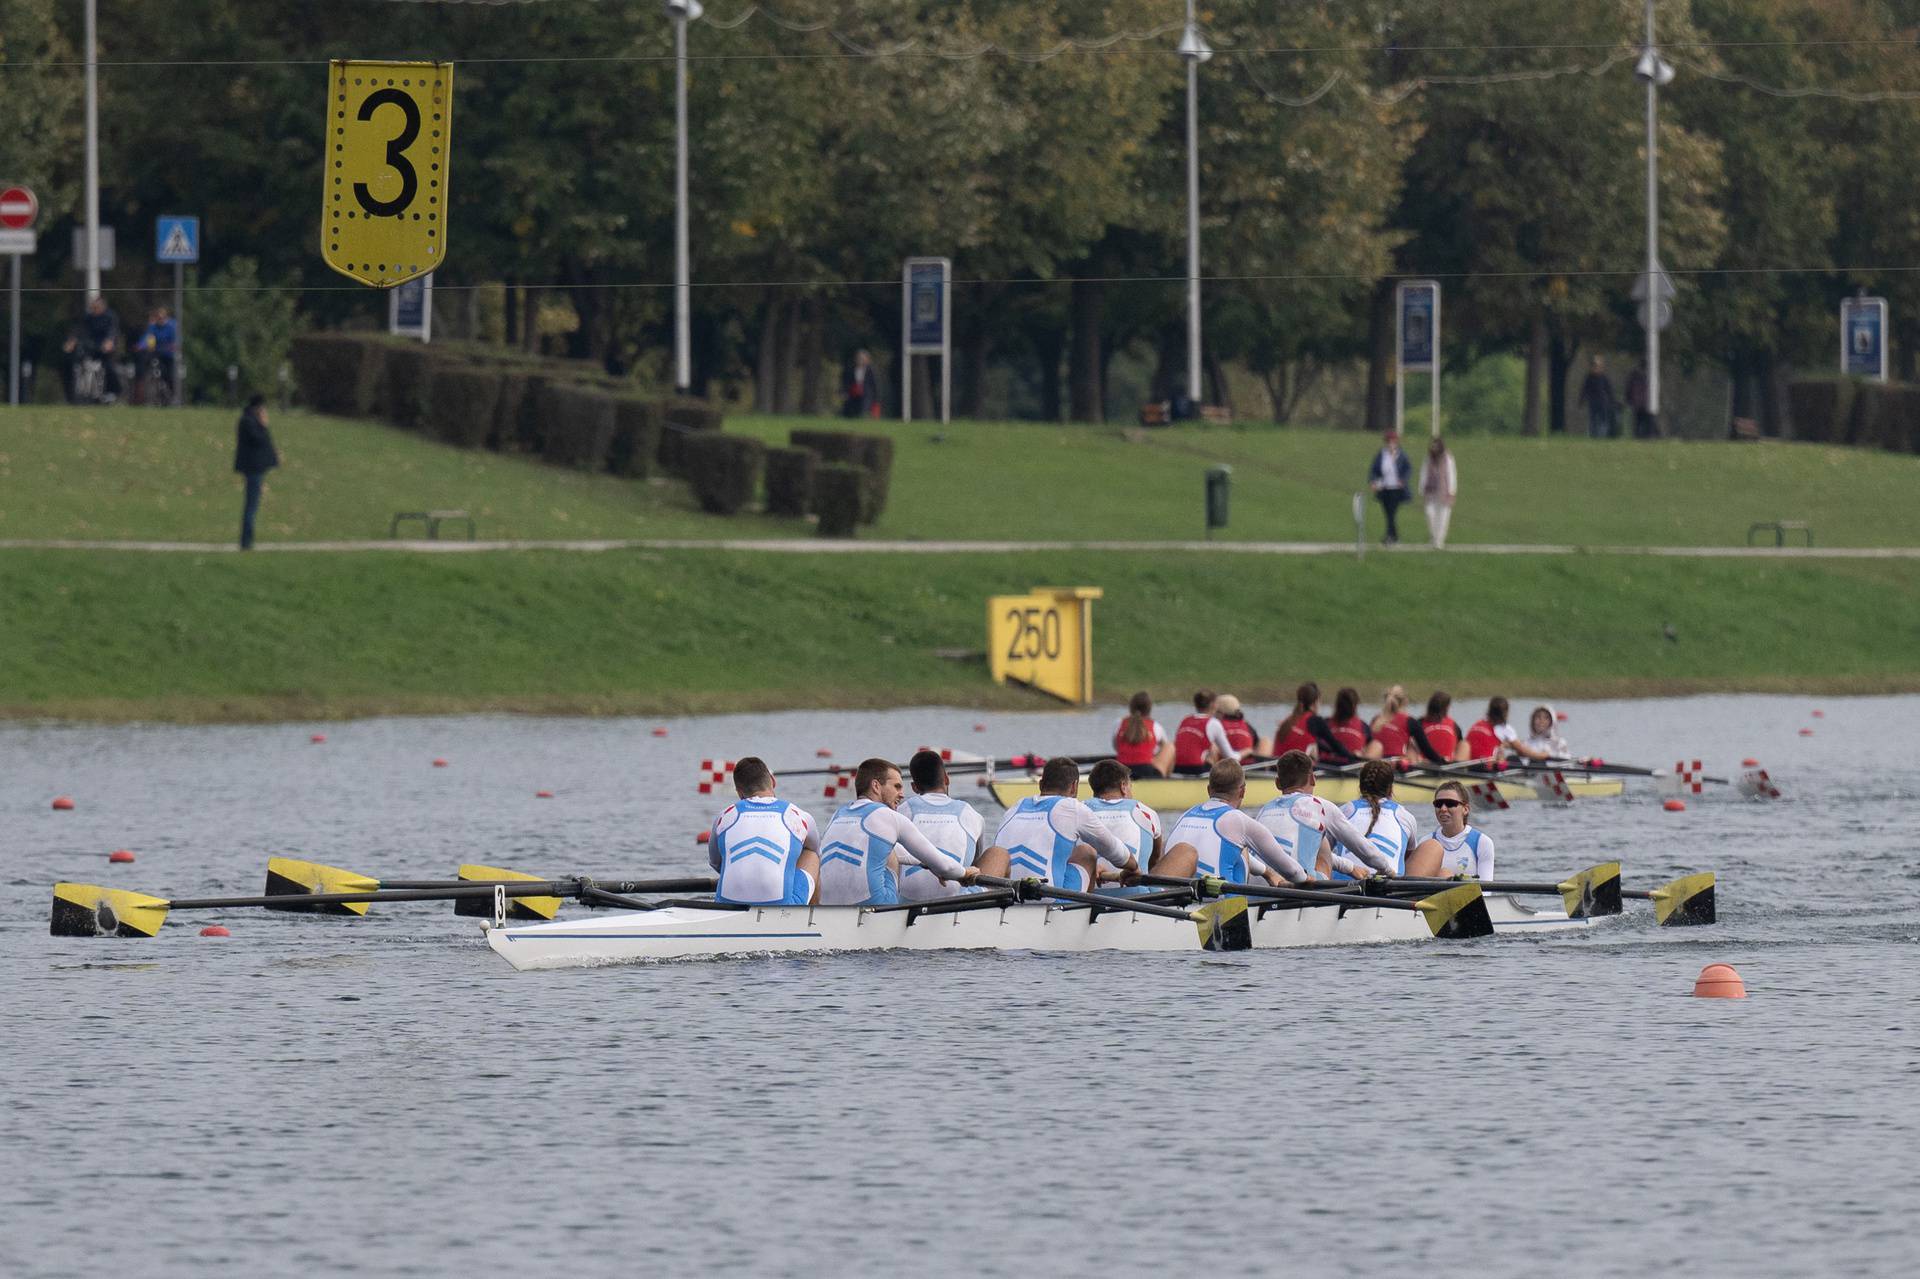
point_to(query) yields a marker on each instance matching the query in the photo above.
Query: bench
(1780, 529)
(431, 520)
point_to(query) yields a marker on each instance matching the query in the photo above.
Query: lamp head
(689, 10)
(1194, 45)
(1653, 67)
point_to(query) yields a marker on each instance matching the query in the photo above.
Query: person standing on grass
(1439, 479)
(1640, 400)
(1387, 477)
(863, 396)
(253, 457)
(1596, 392)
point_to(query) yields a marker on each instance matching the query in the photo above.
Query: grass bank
(124, 473)
(225, 637)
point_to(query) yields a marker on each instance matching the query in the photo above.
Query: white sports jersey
(856, 855)
(1223, 835)
(1040, 833)
(1392, 834)
(1302, 822)
(1468, 853)
(1132, 823)
(756, 845)
(952, 826)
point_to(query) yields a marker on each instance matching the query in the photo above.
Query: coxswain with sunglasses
(1454, 848)
(1306, 825)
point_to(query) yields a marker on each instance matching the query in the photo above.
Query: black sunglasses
(1448, 803)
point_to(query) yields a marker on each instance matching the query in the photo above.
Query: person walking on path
(1639, 398)
(253, 457)
(1596, 392)
(1439, 480)
(863, 396)
(1387, 477)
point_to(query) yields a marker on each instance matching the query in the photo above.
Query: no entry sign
(18, 208)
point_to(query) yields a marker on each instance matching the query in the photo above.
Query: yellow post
(1044, 640)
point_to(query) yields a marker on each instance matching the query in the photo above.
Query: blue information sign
(176, 239)
(1863, 337)
(1417, 305)
(926, 306)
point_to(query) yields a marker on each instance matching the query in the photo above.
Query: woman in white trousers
(1439, 481)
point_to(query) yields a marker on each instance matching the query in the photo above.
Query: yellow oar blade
(293, 878)
(87, 910)
(1224, 925)
(1685, 901)
(1592, 892)
(517, 908)
(1456, 914)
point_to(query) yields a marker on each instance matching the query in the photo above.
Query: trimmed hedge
(840, 495)
(464, 401)
(339, 373)
(790, 481)
(682, 420)
(409, 385)
(724, 469)
(579, 427)
(636, 437)
(1900, 419)
(1821, 409)
(505, 435)
(872, 453)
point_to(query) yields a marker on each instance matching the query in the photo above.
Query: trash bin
(1219, 481)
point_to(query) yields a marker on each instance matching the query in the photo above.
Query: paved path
(834, 546)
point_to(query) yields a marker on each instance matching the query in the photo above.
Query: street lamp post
(682, 12)
(92, 212)
(1654, 71)
(1193, 47)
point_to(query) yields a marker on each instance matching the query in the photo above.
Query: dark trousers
(1390, 501)
(1644, 427)
(1599, 422)
(252, 508)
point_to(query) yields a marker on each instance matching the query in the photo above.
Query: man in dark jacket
(253, 457)
(1387, 477)
(1597, 394)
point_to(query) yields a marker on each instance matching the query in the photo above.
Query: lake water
(384, 1096)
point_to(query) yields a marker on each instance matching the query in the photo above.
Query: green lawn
(193, 637)
(133, 473)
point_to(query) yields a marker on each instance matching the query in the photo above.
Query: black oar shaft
(1085, 899)
(1489, 887)
(1310, 896)
(554, 888)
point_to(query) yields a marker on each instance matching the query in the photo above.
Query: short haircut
(926, 768)
(1293, 769)
(255, 401)
(870, 772)
(1058, 777)
(1226, 777)
(1108, 774)
(751, 776)
(1203, 701)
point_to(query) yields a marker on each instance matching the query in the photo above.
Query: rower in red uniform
(1199, 740)
(1140, 743)
(1295, 732)
(1348, 729)
(1390, 725)
(1233, 722)
(1437, 736)
(1492, 737)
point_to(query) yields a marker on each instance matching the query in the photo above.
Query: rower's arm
(1251, 834)
(908, 838)
(1104, 842)
(1483, 857)
(1217, 738)
(1341, 827)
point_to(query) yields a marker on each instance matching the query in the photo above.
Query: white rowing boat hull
(682, 932)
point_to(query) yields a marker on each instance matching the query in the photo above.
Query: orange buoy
(1561, 716)
(215, 930)
(703, 837)
(119, 856)
(543, 794)
(1806, 732)
(1819, 714)
(1719, 981)
(822, 753)
(316, 739)
(439, 763)
(1018, 761)
(979, 728)
(62, 804)
(1749, 762)
(659, 732)
(1675, 806)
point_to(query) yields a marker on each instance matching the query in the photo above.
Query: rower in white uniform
(1389, 826)
(861, 847)
(1455, 848)
(1215, 837)
(1132, 822)
(1308, 826)
(951, 825)
(766, 849)
(1055, 838)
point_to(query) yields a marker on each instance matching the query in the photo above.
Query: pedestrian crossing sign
(176, 239)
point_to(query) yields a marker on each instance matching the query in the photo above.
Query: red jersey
(1239, 734)
(1140, 752)
(1297, 739)
(1190, 742)
(1350, 733)
(1393, 735)
(1481, 741)
(1442, 734)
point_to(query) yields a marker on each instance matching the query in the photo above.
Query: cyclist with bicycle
(96, 338)
(160, 343)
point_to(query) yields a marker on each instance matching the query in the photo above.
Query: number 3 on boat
(1044, 641)
(389, 143)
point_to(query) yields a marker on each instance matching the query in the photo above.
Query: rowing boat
(1177, 794)
(695, 932)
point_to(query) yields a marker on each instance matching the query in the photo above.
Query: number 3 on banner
(383, 217)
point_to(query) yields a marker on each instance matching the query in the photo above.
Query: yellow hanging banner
(1044, 640)
(383, 216)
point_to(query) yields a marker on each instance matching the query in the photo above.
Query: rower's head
(929, 773)
(1540, 723)
(1376, 779)
(1110, 779)
(1227, 706)
(1293, 771)
(1061, 776)
(1203, 702)
(1393, 701)
(878, 780)
(1450, 807)
(1439, 704)
(1227, 781)
(1346, 704)
(1497, 711)
(1306, 698)
(752, 778)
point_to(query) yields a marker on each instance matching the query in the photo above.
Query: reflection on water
(390, 1082)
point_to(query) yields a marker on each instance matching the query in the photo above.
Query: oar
(1222, 926)
(1455, 913)
(1683, 903)
(1586, 894)
(299, 883)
